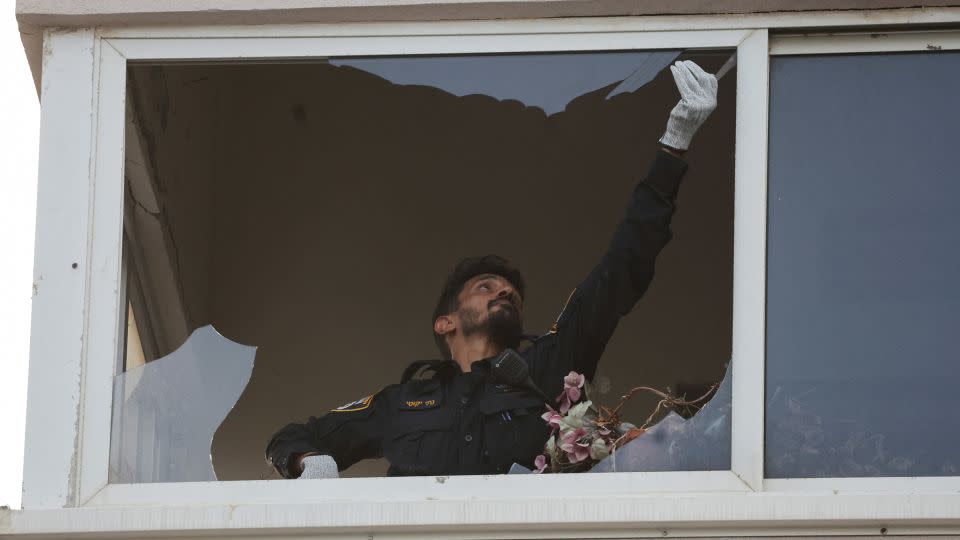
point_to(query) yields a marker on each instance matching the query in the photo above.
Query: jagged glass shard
(645, 72)
(701, 443)
(517, 468)
(166, 412)
(547, 81)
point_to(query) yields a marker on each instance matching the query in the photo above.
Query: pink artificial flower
(540, 463)
(581, 451)
(572, 384)
(574, 380)
(552, 418)
(570, 443)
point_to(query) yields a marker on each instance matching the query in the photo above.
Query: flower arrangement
(582, 434)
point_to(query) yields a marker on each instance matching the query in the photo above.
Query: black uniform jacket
(465, 423)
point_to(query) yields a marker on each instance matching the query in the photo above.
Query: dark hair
(465, 270)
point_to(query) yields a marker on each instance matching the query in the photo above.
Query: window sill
(465, 515)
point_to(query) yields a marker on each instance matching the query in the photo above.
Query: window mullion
(749, 291)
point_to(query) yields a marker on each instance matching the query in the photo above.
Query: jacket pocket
(419, 442)
(513, 429)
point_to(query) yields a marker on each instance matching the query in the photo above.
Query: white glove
(698, 98)
(319, 467)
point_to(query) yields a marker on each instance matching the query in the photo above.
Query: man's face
(490, 304)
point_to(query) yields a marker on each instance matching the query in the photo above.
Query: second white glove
(698, 98)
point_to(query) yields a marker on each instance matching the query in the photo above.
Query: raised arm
(625, 271)
(610, 291)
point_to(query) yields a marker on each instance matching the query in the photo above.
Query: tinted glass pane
(863, 301)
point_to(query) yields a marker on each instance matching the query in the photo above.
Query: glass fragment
(547, 81)
(700, 443)
(167, 411)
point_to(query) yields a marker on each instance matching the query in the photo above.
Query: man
(461, 419)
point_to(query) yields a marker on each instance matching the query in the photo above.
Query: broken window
(295, 207)
(862, 295)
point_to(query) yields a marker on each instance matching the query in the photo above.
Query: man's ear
(444, 325)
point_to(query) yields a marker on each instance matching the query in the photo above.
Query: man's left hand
(698, 98)
(319, 466)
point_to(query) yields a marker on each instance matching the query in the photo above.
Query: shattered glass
(547, 81)
(166, 412)
(700, 443)
(863, 303)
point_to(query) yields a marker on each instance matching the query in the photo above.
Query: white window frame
(76, 338)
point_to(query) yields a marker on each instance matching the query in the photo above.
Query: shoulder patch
(358, 405)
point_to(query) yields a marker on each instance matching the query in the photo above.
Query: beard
(502, 327)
